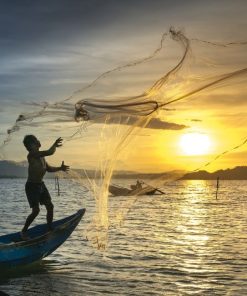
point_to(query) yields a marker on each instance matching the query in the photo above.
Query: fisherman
(36, 191)
(138, 185)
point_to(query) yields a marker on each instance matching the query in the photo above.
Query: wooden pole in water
(217, 187)
(57, 186)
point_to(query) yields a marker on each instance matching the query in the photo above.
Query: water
(183, 243)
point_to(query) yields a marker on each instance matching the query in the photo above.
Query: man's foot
(24, 236)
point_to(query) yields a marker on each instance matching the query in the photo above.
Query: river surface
(182, 243)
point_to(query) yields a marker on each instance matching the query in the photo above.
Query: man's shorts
(37, 193)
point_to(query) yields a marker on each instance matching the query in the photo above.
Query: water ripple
(183, 243)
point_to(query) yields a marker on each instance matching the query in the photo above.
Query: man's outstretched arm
(51, 151)
(51, 169)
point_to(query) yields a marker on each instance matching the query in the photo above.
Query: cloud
(43, 42)
(154, 123)
(196, 120)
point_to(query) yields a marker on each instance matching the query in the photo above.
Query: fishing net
(130, 118)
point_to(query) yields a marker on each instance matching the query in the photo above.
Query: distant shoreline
(15, 170)
(134, 178)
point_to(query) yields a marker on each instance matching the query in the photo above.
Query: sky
(49, 49)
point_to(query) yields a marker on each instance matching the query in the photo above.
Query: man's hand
(58, 142)
(64, 168)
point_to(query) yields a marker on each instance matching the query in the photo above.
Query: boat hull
(16, 252)
(117, 191)
(121, 191)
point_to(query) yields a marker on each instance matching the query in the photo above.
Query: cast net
(130, 119)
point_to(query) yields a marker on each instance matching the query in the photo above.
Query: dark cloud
(196, 120)
(35, 25)
(44, 41)
(39, 29)
(26, 25)
(154, 123)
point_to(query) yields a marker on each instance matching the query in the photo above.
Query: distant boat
(16, 252)
(122, 191)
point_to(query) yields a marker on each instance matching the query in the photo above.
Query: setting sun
(195, 143)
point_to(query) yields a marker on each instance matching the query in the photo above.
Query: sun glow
(195, 143)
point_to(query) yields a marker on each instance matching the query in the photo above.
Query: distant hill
(10, 169)
(237, 173)
(140, 175)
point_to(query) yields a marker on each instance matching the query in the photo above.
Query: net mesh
(133, 103)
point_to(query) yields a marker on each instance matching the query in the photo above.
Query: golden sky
(46, 63)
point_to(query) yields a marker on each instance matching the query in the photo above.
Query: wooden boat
(122, 191)
(117, 190)
(16, 252)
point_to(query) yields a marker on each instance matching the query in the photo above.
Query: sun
(195, 143)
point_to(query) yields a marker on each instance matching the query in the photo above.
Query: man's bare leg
(49, 216)
(29, 220)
